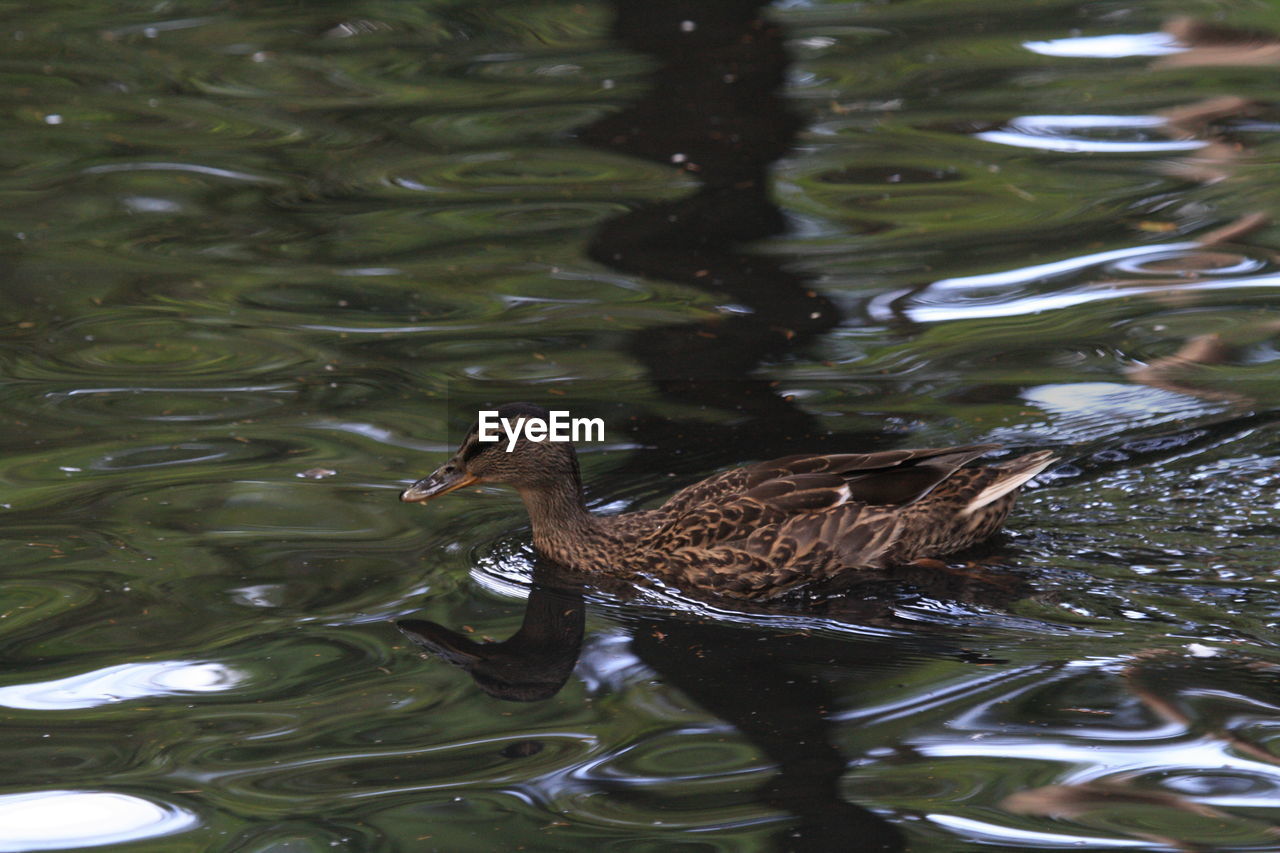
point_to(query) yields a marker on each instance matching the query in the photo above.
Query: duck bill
(435, 485)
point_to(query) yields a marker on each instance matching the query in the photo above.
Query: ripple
(120, 684)
(363, 75)
(1088, 133)
(160, 404)
(930, 784)
(182, 356)
(584, 73)
(912, 203)
(170, 123)
(402, 234)
(1117, 730)
(1108, 47)
(1088, 411)
(1161, 270)
(1169, 256)
(516, 219)
(476, 128)
(467, 763)
(363, 300)
(304, 836)
(55, 820)
(531, 173)
(1089, 759)
(888, 174)
(672, 756)
(1187, 263)
(504, 568)
(1224, 787)
(937, 190)
(1020, 838)
(264, 512)
(201, 169)
(182, 453)
(37, 601)
(691, 809)
(159, 347)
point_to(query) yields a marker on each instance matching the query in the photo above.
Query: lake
(265, 262)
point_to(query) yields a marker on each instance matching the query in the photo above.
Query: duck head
(527, 465)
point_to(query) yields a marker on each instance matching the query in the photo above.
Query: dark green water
(262, 261)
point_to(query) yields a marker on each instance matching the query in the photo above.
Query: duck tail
(1010, 476)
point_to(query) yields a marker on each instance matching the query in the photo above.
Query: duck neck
(560, 518)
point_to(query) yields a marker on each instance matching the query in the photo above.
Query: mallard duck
(756, 532)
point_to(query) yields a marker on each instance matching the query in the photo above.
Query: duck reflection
(535, 661)
(777, 687)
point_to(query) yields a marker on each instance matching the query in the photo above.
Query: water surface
(262, 263)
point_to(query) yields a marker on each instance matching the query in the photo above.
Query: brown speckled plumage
(759, 531)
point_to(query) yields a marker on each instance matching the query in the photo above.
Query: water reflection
(536, 661)
(59, 820)
(774, 685)
(119, 684)
(1194, 712)
(714, 110)
(310, 218)
(1181, 275)
(1107, 47)
(1071, 134)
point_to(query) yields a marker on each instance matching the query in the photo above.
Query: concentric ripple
(149, 348)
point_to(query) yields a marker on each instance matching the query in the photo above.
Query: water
(262, 262)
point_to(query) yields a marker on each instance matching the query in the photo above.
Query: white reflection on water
(120, 683)
(1022, 275)
(194, 168)
(1072, 133)
(1108, 47)
(1089, 411)
(1121, 402)
(1148, 751)
(988, 294)
(57, 820)
(992, 832)
(1067, 300)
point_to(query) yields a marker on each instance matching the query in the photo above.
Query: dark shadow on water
(715, 111)
(773, 685)
(532, 664)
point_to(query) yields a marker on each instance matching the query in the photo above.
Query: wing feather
(760, 530)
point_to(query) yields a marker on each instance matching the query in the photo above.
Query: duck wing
(886, 477)
(775, 558)
(736, 515)
(758, 531)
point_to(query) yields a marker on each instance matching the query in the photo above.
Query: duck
(758, 532)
